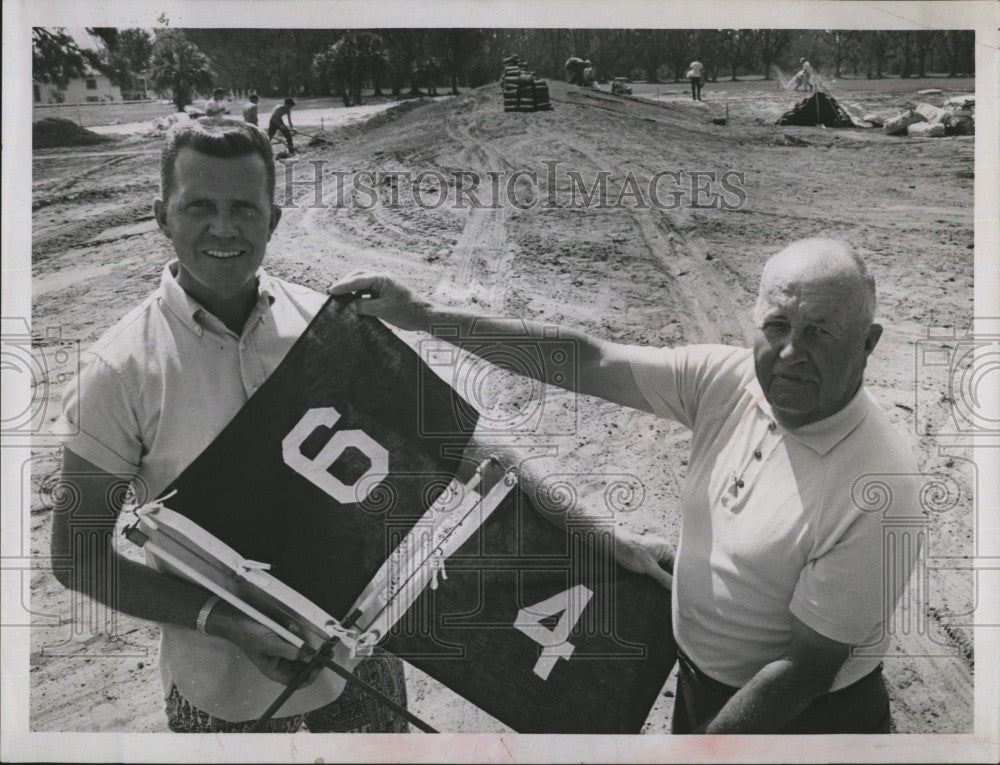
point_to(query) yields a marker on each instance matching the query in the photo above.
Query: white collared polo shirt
(152, 393)
(771, 526)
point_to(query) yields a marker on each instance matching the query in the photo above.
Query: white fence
(93, 113)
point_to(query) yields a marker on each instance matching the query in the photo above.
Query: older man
(778, 574)
(154, 392)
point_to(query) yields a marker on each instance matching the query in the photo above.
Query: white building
(92, 87)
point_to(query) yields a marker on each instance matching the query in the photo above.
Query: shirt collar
(823, 435)
(191, 312)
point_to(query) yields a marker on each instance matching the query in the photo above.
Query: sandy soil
(629, 274)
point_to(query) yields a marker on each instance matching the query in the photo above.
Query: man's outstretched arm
(603, 372)
(603, 366)
(85, 560)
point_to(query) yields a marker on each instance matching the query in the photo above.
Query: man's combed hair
(217, 138)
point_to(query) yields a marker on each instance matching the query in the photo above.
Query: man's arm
(603, 366)
(603, 372)
(84, 559)
(784, 688)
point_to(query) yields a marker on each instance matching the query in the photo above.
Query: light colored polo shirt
(769, 528)
(215, 108)
(152, 393)
(250, 112)
(696, 68)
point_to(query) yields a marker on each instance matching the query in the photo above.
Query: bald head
(815, 329)
(827, 264)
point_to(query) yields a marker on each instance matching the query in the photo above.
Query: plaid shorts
(354, 711)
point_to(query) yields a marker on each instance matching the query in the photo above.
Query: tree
(730, 43)
(678, 51)
(959, 51)
(56, 57)
(652, 45)
(137, 46)
(179, 66)
(707, 47)
(924, 42)
(876, 44)
(349, 62)
(905, 42)
(842, 43)
(460, 45)
(406, 48)
(769, 44)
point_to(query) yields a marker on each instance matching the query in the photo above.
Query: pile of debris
(522, 91)
(56, 131)
(956, 117)
(819, 109)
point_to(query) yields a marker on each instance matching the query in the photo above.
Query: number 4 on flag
(555, 642)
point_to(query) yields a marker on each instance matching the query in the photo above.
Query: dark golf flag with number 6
(343, 451)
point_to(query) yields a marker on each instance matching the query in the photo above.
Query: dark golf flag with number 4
(334, 466)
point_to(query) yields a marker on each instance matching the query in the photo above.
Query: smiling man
(778, 574)
(154, 392)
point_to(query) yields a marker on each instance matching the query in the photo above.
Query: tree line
(321, 62)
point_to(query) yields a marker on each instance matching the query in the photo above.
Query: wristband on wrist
(206, 609)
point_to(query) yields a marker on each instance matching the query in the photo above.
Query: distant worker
(277, 123)
(805, 76)
(574, 70)
(589, 73)
(250, 109)
(216, 105)
(694, 74)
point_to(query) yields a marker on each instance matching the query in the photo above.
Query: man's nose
(222, 224)
(792, 349)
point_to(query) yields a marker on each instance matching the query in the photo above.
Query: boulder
(926, 129)
(930, 113)
(898, 125)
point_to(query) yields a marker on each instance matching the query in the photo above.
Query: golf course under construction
(639, 219)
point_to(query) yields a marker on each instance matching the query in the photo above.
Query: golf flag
(344, 473)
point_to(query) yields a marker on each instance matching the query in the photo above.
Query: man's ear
(874, 333)
(275, 217)
(160, 213)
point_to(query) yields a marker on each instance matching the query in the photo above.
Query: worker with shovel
(278, 123)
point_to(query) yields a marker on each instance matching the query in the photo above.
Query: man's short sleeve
(676, 381)
(847, 591)
(99, 416)
(839, 594)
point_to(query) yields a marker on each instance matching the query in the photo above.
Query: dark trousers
(696, 88)
(274, 127)
(862, 707)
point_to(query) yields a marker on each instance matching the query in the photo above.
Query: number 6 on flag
(570, 603)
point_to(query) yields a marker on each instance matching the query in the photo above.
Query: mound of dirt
(55, 131)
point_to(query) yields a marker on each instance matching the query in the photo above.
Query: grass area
(118, 113)
(857, 86)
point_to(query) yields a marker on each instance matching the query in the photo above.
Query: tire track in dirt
(714, 316)
(482, 248)
(64, 184)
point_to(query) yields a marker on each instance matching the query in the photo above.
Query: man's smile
(223, 254)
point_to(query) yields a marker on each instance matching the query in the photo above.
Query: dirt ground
(632, 273)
